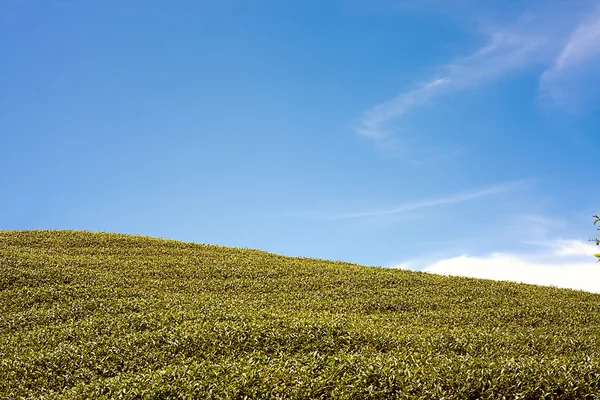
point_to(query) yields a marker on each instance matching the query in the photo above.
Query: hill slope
(93, 315)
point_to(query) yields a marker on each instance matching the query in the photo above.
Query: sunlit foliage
(92, 316)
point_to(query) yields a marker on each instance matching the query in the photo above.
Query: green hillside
(93, 315)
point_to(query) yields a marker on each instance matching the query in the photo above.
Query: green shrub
(94, 315)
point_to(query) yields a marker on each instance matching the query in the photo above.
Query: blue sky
(454, 137)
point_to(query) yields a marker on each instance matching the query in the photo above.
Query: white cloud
(570, 264)
(573, 248)
(411, 206)
(403, 265)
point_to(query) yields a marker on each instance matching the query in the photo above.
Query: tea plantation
(100, 316)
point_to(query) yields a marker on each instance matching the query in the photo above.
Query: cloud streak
(581, 49)
(410, 206)
(537, 39)
(505, 51)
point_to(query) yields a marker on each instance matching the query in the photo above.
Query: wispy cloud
(410, 206)
(536, 38)
(575, 63)
(372, 124)
(506, 51)
(570, 264)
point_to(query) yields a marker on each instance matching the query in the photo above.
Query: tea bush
(95, 315)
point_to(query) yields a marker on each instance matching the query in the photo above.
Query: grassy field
(94, 315)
